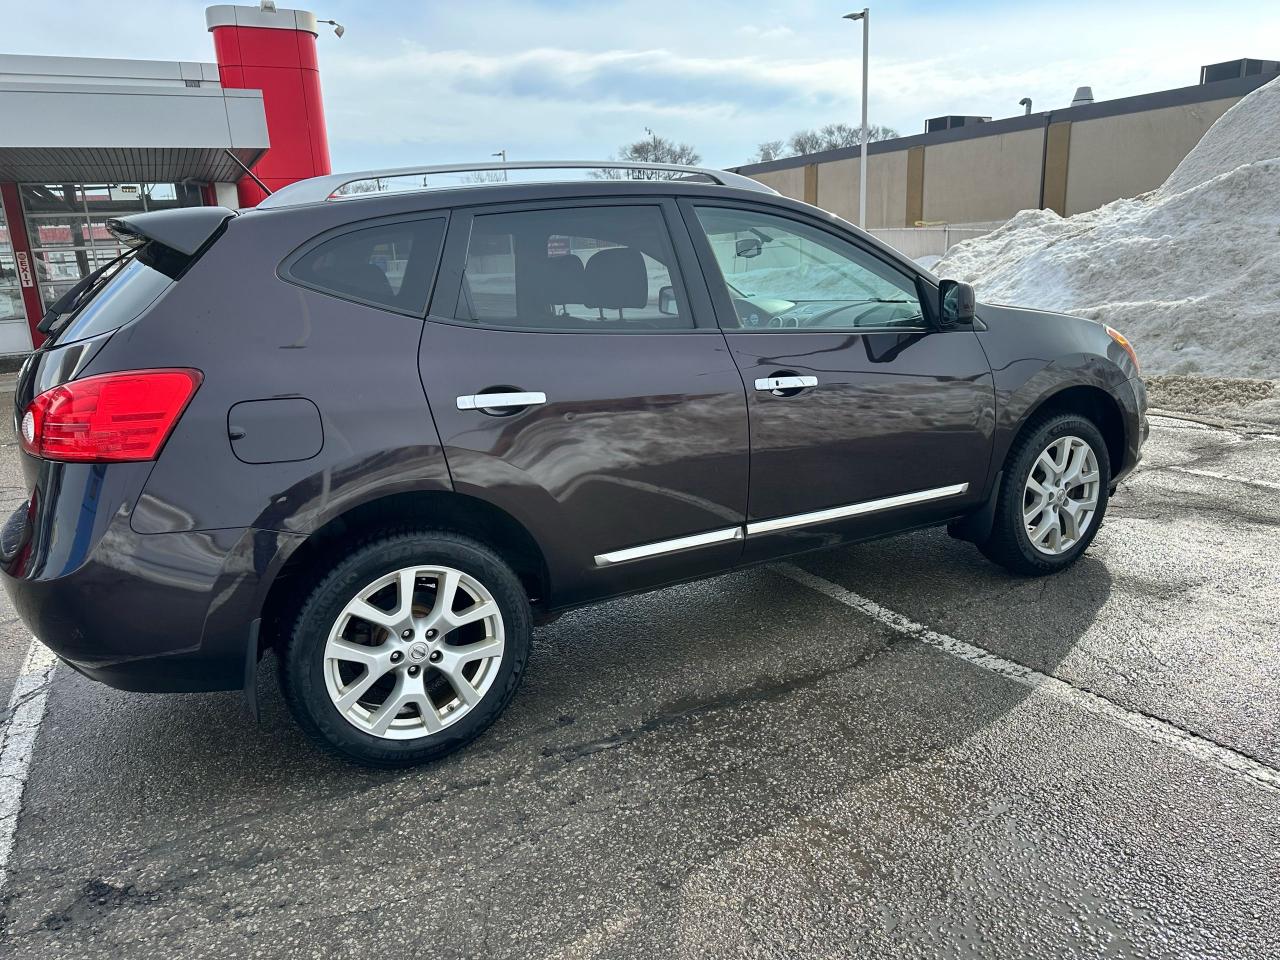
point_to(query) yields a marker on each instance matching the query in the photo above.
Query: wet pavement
(893, 749)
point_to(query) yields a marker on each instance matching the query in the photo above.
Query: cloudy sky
(455, 81)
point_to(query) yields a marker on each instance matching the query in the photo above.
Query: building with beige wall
(1068, 160)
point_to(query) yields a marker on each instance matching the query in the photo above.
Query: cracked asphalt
(740, 767)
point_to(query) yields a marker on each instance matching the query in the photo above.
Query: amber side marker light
(1121, 339)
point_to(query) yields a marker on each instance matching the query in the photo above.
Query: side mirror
(751, 247)
(667, 302)
(957, 302)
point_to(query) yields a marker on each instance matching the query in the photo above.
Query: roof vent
(949, 123)
(1232, 69)
(1083, 95)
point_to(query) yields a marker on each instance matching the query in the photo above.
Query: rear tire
(408, 649)
(1053, 497)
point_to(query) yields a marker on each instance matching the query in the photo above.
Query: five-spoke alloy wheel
(1053, 495)
(1060, 496)
(408, 648)
(413, 651)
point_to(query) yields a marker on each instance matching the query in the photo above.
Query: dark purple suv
(383, 434)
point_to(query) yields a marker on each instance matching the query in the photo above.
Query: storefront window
(67, 225)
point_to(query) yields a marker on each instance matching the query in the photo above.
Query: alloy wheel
(414, 652)
(1060, 498)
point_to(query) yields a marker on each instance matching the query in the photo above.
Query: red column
(26, 261)
(275, 52)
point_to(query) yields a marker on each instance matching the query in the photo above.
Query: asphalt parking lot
(894, 749)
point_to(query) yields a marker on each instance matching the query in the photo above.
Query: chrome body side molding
(778, 523)
(669, 546)
(855, 509)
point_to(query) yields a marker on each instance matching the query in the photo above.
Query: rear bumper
(148, 612)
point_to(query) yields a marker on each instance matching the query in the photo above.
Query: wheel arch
(1093, 402)
(426, 509)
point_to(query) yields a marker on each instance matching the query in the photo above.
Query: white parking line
(18, 740)
(1267, 484)
(1161, 731)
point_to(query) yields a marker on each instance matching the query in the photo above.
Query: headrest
(616, 278)
(369, 281)
(563, 279)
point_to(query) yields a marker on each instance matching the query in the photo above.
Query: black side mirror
(667, 302)
(751, 247)
(957, 302)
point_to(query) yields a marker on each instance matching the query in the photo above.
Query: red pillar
(26, 261)
(275, 52)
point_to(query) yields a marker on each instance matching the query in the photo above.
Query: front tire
(1053, 497)
(408, 649)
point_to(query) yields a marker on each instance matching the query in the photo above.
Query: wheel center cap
(1061, 496)
(418, 652)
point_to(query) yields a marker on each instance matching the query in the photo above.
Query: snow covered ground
(1190, 272)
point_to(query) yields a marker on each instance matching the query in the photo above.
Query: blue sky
(449, 81)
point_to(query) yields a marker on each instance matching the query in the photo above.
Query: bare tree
(652, 149)
(833, 136)
(769, 150)
(485, 176)
(376, 185)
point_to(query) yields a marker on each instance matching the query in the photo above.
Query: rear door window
(389, 265)
(603, 268)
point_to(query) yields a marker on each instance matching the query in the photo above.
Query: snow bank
(1190, 272)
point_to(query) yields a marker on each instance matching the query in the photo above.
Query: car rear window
(389, 265)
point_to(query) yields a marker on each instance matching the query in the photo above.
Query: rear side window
(574, 268)
(390, 265)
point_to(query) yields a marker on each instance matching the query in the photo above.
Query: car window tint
(389, 264)
(576, 268)
(784, 274)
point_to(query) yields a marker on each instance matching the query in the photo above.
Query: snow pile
(1190, 272)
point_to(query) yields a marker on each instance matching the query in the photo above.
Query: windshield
(119, 296)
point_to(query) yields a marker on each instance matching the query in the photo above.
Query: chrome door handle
(501, 401)
(785, 383)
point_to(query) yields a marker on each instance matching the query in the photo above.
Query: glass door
(67, 225)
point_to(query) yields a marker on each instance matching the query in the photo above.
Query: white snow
(1190, 272)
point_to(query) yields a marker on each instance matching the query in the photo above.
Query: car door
(866, 415)
(580, 384)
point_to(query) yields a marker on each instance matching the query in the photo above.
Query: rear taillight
(108, 418)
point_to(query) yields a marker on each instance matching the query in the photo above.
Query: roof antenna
(253, 176)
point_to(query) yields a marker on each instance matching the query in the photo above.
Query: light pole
(865, 16)
(503, 155)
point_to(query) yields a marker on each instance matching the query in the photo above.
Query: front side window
(783, 274)
(574, 268)
(387, 265)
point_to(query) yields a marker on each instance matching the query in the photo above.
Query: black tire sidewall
(302, 666)
(1028, 449)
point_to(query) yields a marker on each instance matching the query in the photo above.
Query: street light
(503, 155)
(865, 16)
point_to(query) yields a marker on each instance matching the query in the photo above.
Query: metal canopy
(122, 164)
(95, 133)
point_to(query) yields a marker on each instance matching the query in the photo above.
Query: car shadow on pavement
(653, 737)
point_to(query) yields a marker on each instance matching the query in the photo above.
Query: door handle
(777, 384)
(501, 401)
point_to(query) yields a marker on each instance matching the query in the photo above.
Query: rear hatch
(162, 247)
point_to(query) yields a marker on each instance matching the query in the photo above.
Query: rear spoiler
(184, 229)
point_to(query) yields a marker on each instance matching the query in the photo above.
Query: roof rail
(319, 189)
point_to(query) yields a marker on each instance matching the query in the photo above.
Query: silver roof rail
(319, 189)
